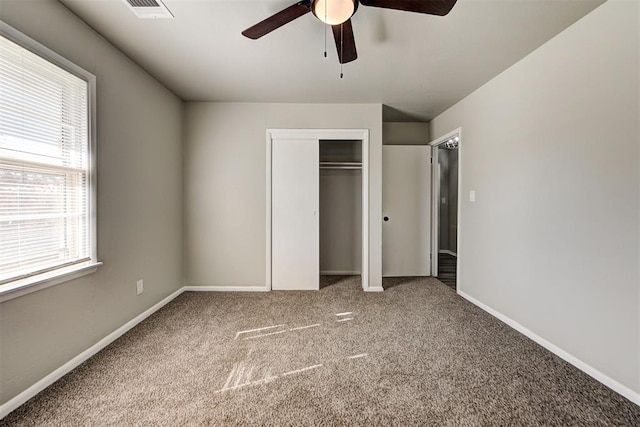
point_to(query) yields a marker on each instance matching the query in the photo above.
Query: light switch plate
(472, 196)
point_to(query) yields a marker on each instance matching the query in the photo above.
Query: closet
(340, 207)
(318, 210)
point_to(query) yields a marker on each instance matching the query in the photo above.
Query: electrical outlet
(139, 287)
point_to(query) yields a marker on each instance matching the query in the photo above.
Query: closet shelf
(340, 165)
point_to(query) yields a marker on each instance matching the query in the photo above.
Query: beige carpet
(416, 354)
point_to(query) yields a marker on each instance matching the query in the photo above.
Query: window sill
(31, 284)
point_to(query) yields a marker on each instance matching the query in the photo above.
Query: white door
(295, 239)
(406, 199)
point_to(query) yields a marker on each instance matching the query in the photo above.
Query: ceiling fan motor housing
(334, 12)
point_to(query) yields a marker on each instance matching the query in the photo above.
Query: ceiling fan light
(333, 12)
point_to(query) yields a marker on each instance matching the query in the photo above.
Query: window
(47, 220)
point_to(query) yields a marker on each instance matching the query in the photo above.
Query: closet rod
(341, 167)
(341, 164)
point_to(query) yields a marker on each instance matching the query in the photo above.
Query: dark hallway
(447, 270)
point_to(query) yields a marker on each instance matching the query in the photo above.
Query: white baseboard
(447, 251)
(588, 369)
(45, 382)
(225, 289)
(340, 273)
(378, 289)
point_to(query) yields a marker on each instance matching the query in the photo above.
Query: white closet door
(295, 239)
(406, 199)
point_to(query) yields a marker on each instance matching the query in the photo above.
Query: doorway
(445, 208)
(340, 209)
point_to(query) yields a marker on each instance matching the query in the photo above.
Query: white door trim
(435, 203)
(323, 134)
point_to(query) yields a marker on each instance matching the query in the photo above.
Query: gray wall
(139, 207)
(551, 147)
(225, 184)
(405, 133)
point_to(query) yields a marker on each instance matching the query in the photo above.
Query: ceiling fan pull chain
(325, 31)
(341, 45)
(325, 41)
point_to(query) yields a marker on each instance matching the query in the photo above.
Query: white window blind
(45, 209)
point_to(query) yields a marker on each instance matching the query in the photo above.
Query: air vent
(149, 8)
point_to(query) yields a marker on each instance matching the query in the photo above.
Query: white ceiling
(417, 65)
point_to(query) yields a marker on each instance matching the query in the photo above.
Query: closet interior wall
(340, 207)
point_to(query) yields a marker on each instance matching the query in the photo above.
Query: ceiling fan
(338, 13)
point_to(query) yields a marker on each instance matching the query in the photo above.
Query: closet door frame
(322, 134)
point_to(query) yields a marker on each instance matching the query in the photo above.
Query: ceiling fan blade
(345, 42)
(431, 7)
(278, 20)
